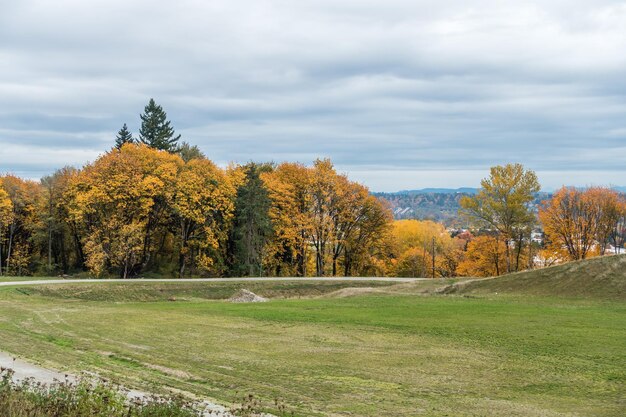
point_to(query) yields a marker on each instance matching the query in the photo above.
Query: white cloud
(380, 87)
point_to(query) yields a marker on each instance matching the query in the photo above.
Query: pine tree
(189, 152)
(123, 136)
(252, 225)
(156, 130)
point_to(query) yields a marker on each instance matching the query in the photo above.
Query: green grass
(385, 353)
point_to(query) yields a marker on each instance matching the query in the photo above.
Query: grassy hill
(599, 278)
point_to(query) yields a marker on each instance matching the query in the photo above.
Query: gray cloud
(397, 93)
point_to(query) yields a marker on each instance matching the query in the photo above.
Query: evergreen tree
(252, 225)
(156, 130)
(123, 136)
(189, 152)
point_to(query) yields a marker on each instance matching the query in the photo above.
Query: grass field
(388, 351)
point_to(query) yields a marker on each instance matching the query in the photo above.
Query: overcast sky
(401, 94)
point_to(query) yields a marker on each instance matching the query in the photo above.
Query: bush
(84, 398)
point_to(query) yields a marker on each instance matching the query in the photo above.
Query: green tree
(156, 131)
(503, 204)
(252, 225)
(189, 152)
(123, 136)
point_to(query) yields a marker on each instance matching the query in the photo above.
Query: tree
(6, 218)
(608, 211)
(323, 220)
(618, 237)
(485, 257)
(62, 235)
(121, 202)
(252, 227)
(123, 137)
(323, 211)
(424, 244)
(580, 223)
(203, 208)
(290, 193)
(366, 235)
(156, 131)
(189, 152)
(503, 205)
(26, 199)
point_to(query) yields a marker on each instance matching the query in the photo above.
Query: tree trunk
(520, 243)
(507, 254)
(11, 232)
(49, 249)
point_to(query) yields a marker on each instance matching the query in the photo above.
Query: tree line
(154, 205)
(138, 210)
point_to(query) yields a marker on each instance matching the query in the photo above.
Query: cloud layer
(400, 94)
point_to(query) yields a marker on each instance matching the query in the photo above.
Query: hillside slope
(600, 278)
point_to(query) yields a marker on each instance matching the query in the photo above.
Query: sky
(400, 94)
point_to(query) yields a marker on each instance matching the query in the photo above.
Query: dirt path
(79, 281)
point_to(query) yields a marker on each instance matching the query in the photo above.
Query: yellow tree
(63, 233)
(366, 246)
(203, 206)
(325, 197)
(502, 204)
(25, 197)
(58, 235)
(122, 201)
(420, 247)
(6, 218)
(289, 189)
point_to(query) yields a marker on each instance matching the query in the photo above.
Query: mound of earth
(245, 296)
(601, 278)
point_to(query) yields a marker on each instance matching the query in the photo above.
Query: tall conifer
(156, 131)
(123, 136)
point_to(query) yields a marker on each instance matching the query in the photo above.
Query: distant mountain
(438, 204)
(462, 190)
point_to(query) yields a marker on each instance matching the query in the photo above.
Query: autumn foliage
(140, 211)
(137, 210)
(582, 223)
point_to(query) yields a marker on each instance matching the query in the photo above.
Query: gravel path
(79, 281)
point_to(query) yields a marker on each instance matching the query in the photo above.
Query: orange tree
(485, 257)
(581, 223)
